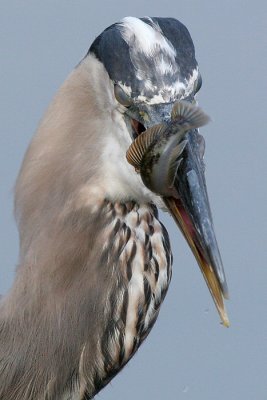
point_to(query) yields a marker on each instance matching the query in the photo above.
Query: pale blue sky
(188, 355)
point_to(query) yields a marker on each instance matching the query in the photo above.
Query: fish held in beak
(168, 157)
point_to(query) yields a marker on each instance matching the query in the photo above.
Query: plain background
(188, 355)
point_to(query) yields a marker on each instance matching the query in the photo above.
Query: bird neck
(94, 265)
(90, 293)
(77, 157)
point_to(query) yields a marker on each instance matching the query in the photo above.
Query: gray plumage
(95, 261)
(72, 250)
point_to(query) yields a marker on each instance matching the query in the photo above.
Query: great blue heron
(95, 261)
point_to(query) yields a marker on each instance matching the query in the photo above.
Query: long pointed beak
(185, 194)
(191, 210)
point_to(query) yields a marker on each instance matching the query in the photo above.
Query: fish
(157, 152)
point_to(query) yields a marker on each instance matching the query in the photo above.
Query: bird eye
(199, 83)
(122, 97)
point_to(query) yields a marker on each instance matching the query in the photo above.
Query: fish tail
(188, 115)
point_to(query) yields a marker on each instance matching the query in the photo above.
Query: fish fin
(188, 115)
(140, 145)
(173, 172)
(175, 161)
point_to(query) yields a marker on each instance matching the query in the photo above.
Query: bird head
(150, 65)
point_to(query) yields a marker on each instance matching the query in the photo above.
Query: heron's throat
(136, 257)
(137, 128)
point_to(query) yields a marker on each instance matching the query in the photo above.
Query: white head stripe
(147, 37)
